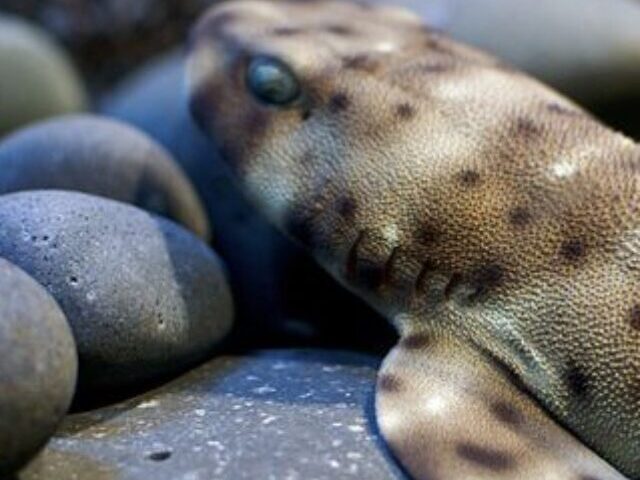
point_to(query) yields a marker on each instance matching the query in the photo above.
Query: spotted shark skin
(491, 220)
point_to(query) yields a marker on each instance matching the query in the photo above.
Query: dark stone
(271, 414)
(102, 157)
(38, 367)
(144, 297)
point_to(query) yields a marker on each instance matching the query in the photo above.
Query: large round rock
(38, 367)
(37, 79)
(103, 157)
(144, 297)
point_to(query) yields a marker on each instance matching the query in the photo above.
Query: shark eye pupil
(271, 81)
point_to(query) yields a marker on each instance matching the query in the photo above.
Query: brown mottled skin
(495, 223)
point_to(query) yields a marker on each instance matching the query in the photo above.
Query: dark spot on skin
(339, 102)
(305, 114)
(469, 178)
(286, 31)
(520, 217)
(346, 207)
(427, 235)
(434, 67)
(405, 111)
(490, 459)
(507, 413)
(416, 341)
(577, 381)
(573, 249)
(339, 30)
(557, 108)
(361, 62)
(363, 5)
(588, 477)
(427, 268)
(527, 128)
(634, 319)
(454, 281)
(300, 227)
(485, 279)
(389, 383)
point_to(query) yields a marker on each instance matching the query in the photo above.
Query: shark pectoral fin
(450, 412)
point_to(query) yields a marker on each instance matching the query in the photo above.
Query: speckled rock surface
(143, 296)
(37, 80)
(103, 157)
(275, 283)
(38, 367)
(290, 414)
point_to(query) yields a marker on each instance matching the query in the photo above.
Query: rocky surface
(283, 297)
(38, 367)
(38, 79)
(144, 297)
(290, 414)
(103, 157)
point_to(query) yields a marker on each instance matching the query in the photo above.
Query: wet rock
(38, 80)
(288, 414)
(144, 297)
(38, 367)
(103, 157)
(275, 284)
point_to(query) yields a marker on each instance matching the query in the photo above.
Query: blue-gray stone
(283, 414)
(144, 297)
(38, 367)
(104, 157)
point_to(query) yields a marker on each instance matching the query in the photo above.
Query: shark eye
(271, 81)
